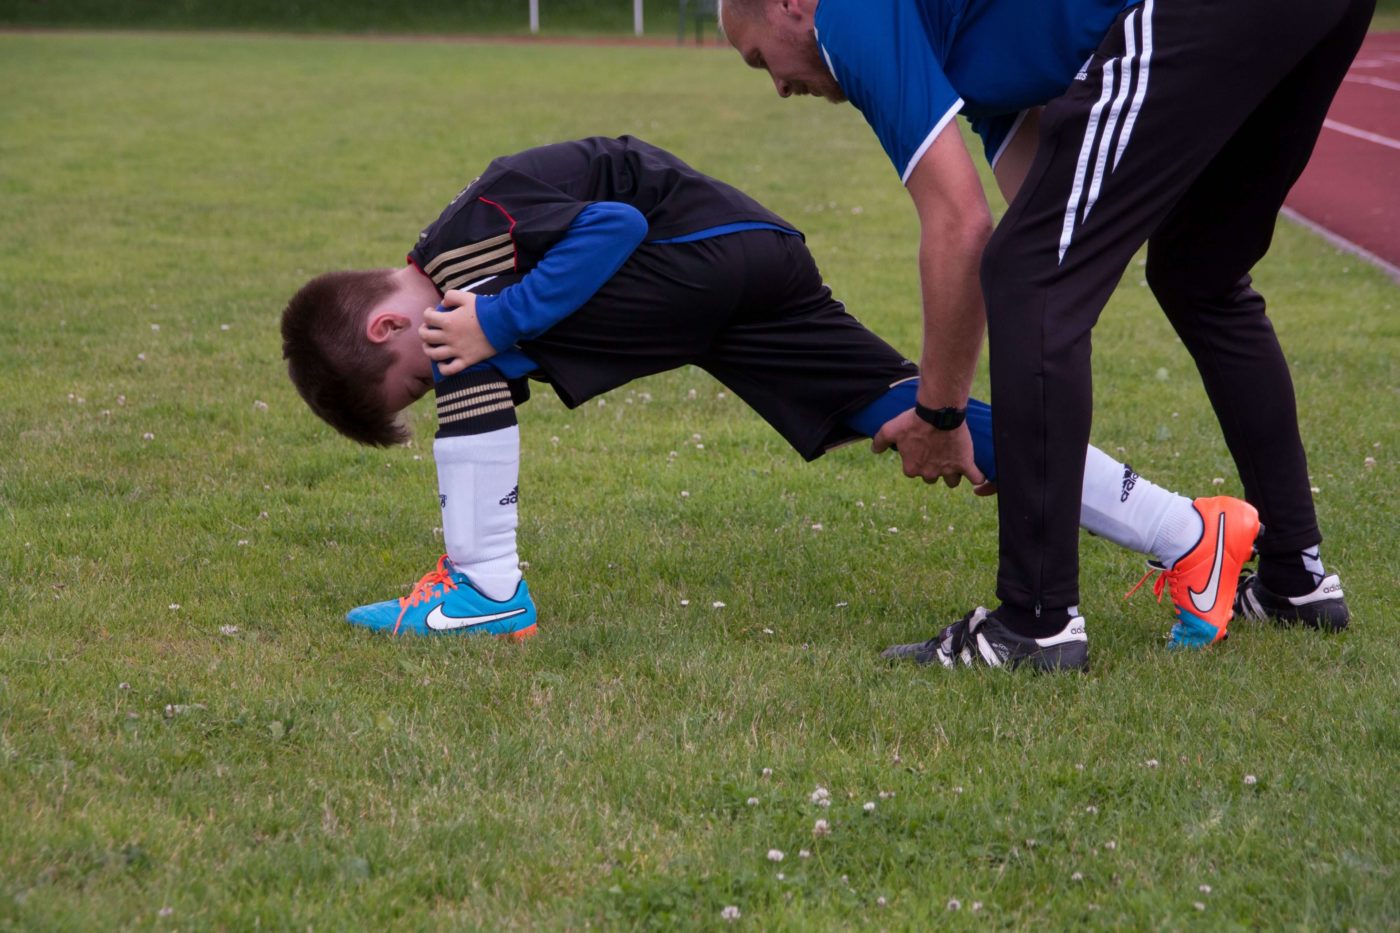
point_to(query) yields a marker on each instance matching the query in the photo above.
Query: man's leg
(1169, 87)
(477, 587)
(1199, 271)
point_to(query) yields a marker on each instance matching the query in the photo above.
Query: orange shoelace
(1158, 588)
(426, 588)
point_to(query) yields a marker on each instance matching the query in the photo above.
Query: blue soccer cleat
(444, 602)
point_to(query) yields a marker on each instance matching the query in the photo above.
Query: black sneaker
(1325, 608)
(981, 638)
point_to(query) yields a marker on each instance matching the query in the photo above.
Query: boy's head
(352, 349)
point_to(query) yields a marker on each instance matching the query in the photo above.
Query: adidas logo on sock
(442, 501)
(512, 497)
(1129, 481)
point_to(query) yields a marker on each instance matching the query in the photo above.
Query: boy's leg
(1117, 504)
(477, 587)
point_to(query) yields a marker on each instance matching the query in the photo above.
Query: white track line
(1374, 82)
(1343, 244)
(1362, 134)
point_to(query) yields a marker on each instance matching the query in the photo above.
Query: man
(587, 264)
(1180, 123)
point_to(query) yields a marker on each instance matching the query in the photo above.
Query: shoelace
(425, 588)
(1158, 588)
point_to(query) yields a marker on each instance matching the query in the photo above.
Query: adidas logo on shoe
(512, 497)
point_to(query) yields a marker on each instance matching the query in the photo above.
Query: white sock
(1136, 513)
(478, 486)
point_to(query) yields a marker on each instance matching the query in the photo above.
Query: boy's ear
(383, 326)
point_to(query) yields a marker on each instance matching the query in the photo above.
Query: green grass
(297, 774)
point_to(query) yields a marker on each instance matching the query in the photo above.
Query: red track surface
(1351, 187)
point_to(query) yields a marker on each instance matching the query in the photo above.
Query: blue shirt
(910, 66)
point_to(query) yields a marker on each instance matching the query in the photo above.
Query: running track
(1350, 191)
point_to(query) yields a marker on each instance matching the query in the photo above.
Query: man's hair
(337, 369)
(743, 9)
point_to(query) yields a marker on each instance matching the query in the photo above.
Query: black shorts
(750, 309)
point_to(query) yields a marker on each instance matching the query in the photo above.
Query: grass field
(190, 737)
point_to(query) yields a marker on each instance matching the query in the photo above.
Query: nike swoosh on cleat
(1204, 601)
(440, 621)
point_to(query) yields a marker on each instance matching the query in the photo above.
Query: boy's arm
(599, 240)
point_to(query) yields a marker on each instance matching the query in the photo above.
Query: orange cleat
(1202, 582)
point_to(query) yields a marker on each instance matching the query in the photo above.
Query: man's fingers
(432, 318)
(987, 488)
(881, 442)
(436, 353)
(451, 367)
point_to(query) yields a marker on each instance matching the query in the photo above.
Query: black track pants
(1185, 131)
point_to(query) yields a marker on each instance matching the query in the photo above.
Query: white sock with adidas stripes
(478, 483)
(477, 450)
(1136, 513)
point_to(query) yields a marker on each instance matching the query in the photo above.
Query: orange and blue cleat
(1202, 582)
(444, 602)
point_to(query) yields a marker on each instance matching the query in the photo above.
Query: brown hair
(334, 366)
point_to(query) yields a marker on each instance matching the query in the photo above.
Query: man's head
(777, 36)
(352, 349)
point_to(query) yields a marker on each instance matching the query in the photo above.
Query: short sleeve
(883, 59)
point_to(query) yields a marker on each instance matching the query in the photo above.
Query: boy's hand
(452, 336)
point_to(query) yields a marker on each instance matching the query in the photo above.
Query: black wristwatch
(943, 419)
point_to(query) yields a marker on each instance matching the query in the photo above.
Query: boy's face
(409, 377)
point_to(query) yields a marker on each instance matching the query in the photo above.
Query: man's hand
(453, 337)
(930, 453)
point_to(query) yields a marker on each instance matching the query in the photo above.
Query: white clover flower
(148, 436)
(752, 801)
(685, 493)
(821, 828)
(820, 794)
(1077, 876)
(1250, 779)
(1218, 481)
(893, 530)
(955, 904)
(816, 526)
(775, 855)
(1091, 809)
(174, 605)
(1152, 762)
(717, 605)
(259, 405)
(1205, 889)
(685, 602)
(1198, 905)
(869, 806)
(804, 853)
(1110, 845)
(880, 901)
(228, 630)
(767, 772)
(729, 914)
(976, 906)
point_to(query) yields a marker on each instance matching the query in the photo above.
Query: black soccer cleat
(1325, 608)
(980, 638)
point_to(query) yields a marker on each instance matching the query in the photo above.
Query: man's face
(781, 41)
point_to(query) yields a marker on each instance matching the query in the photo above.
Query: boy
(590, 263)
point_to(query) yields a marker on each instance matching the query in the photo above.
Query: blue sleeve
(885, 57)
(591, 251)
